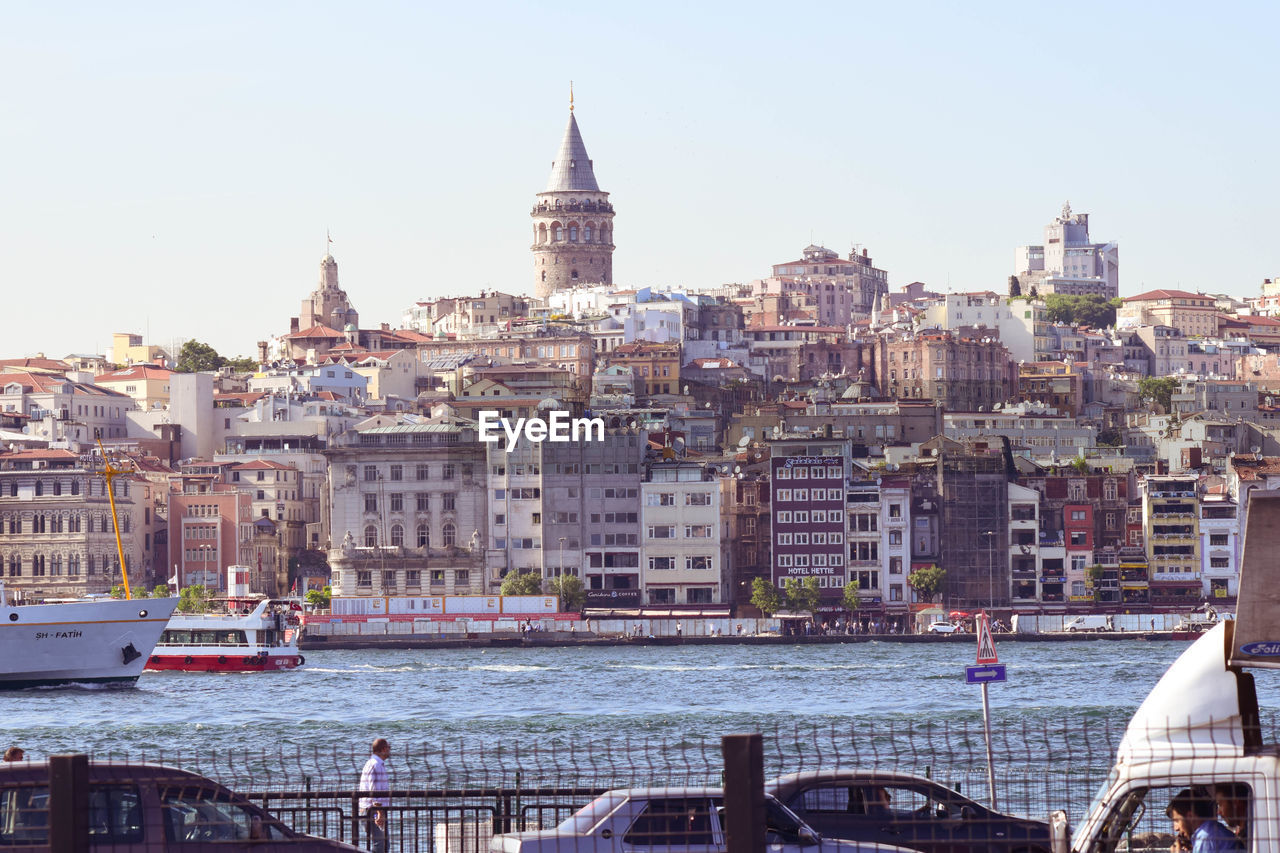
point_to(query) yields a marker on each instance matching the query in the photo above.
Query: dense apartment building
(807, 521)
(961, 373)
(684, 552)
(1171, 518)
(657, 365)
(56, 535)
(568, 508)
(878, 513)
(210, 528)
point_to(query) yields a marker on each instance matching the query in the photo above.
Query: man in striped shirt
(374, 778)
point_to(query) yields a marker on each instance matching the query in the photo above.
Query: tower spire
(570, 96)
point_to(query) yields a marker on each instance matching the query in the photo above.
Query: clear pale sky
(170, 168)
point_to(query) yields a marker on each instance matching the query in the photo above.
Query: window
(448, 471)
(370, 502)
(703, 562)
(698, 499)
(660, 499)
(397, 502)
(448, 500)
(424, 536)
(449, 534)
(370, 536)
(895, 537)
(199, 815)
(422, 471)
(397, 472)
(662, 531)
(1077, 515)
(421, 502)
(370, 473)
(1218, 540)
(662, 563)
(397, 535)
(697, 531)
(895, 510)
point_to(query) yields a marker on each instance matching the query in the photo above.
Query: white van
(1088, 623)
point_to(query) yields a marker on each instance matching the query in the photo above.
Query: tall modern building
(572, 222)
(1068, 262)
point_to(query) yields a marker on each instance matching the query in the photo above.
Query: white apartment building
(1220, 526)
(1067, 262)
(1024, 544)
(879, 524)
(1013, 321)
(683, 554)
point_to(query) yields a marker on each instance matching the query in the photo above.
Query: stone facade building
(56, 535)
(407, 509)
(572, 222)
(961, 373)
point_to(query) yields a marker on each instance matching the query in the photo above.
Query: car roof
(653, 793)
(35, 772)
(839, 774)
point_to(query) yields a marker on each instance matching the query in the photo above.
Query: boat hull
(225, 661)
(104, 642)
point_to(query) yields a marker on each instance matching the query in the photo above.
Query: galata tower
(572, 222)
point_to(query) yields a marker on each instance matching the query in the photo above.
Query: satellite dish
(743, 442)
(737, 469)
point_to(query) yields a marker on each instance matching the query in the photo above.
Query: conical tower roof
(571, 170)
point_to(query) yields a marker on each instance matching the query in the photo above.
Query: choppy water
(612, 715)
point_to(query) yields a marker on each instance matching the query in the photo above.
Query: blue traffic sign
(983, 674)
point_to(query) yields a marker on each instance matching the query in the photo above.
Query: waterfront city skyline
(174, 173)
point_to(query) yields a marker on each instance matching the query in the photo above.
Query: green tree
(765, 596)
(319, 598)
(193, 599)
(160, 590)
(802, 594)
(1158, 390)
(1015, 286)
(1080, 464)
(852, 601)
(244, 364)
(569, 588)
(117, 591)
(522, 583)
(928, 582)
(195, 357)
(1087, 310)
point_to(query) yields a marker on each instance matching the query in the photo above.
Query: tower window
(586, 234)
(574, 275)
(544, 275)
(573, 233)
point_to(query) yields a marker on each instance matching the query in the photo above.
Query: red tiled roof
(1166, 294)
(135, 371)
(262, 465)
(52, 365)
(320, 331)
(1248, 469)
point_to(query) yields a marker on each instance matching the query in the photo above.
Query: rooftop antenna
(328, 241)
(570, 96)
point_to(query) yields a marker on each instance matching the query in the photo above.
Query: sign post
(989, 669)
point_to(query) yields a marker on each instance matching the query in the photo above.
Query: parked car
(144, 807)
(943, 627)
(1093, 622)
(680, 820)
(899, 808)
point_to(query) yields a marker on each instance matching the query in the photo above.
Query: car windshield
(592, 813)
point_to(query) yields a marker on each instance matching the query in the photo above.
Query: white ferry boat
(249, 636)
(95, 641)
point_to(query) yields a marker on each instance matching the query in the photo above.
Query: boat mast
(110, 474)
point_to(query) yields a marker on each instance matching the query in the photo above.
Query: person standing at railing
(373, 777)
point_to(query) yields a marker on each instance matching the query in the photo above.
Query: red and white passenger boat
(254, 635)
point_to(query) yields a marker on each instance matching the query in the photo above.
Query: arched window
(449, 533)
(573, 233)
(559, 233)
(424, 536)
(586, 233)
(397, 535)
(370, 536)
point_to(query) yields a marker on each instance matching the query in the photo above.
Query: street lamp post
(991, 570)
(562, 555)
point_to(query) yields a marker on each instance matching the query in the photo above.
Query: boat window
(24, 816)
(174, 637)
